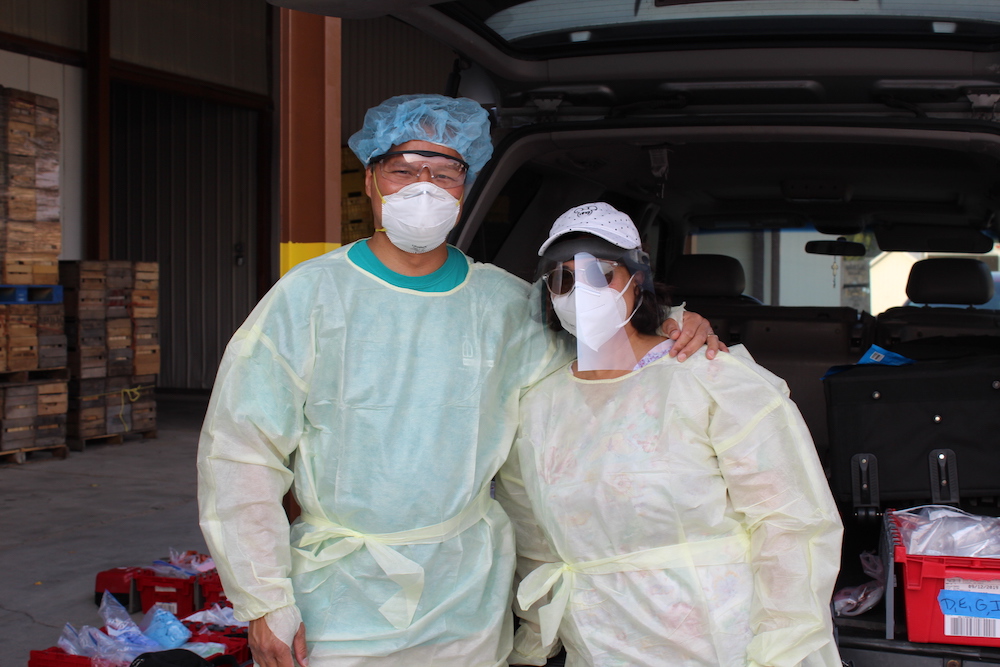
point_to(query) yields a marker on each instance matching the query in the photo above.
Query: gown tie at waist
(399, 608)
(560, 575)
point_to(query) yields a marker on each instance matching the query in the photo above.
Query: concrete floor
(63, 521)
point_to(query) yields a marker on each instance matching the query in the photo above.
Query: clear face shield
(593, 299)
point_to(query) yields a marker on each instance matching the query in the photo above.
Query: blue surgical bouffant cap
(458, 123)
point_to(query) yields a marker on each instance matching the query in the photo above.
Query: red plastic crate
(56, 657)
(174, 594)
(235, 643)
(210, 591)
(925, 577)
(118, 581)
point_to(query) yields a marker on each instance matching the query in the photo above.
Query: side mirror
(841, 247)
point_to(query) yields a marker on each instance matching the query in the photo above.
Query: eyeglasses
(598, 273)
(405, 167)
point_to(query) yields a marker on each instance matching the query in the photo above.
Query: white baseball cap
(600, 219)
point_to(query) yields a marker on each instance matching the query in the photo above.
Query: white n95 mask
(592, 314)
(418, 217)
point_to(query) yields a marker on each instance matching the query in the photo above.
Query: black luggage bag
(928, 431)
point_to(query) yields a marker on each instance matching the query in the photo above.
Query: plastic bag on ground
(183, 564)
(164, 628)
(122, 628)
(217, 615)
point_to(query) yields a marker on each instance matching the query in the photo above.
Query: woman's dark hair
(649, 314)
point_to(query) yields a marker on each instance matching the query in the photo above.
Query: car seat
(941, 283)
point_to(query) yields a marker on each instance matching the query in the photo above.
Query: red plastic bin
(236, 645)
(56, 657)
(118, 581)
(174, 594)
(972, 584)
(210, 591)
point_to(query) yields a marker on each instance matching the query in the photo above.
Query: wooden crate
(45, 270)
(143, 304)
(85, 304)
(147, 360)
(20, 402)
(17, 433)
(52, 352)
(147, 276)
(17, 269)
(22, 320)
(120, 361)
(22, 353)
(53, 398)
(145, 332)
(31, 240)
(119, 275)
(50, 430)
(86, 333)
(85, 275)
(86, 422)
(119, 333)
(86, 393)
(141, 398)
(118, 419)
(88, 362)
(115, 301)
(51, 319)
(29, 268)
(357, 219)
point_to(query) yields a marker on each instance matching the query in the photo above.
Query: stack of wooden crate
(52, 351)
(144, 311)
(83, 284)
(33, 353)
(33, 387)
(30, 231)
(112, 322)
(357, 219)
(118, 283)
(22, 336)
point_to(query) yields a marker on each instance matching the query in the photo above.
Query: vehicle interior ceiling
(938, 193)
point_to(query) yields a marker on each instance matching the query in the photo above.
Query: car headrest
(950, 280)
(707, 275)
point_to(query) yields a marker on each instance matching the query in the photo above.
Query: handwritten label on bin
(963, 603)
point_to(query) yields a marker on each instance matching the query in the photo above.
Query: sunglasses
(598, 273)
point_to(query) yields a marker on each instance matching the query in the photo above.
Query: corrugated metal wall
(59, 22)
(382, 58)
(218, 41)
(184, 193)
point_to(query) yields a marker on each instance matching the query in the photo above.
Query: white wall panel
(73, 106)
(66, 84)
(14, 70)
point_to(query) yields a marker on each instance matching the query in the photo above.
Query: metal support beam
(309, 122)
(98, 143)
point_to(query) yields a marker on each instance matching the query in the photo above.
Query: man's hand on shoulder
(697, 331)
